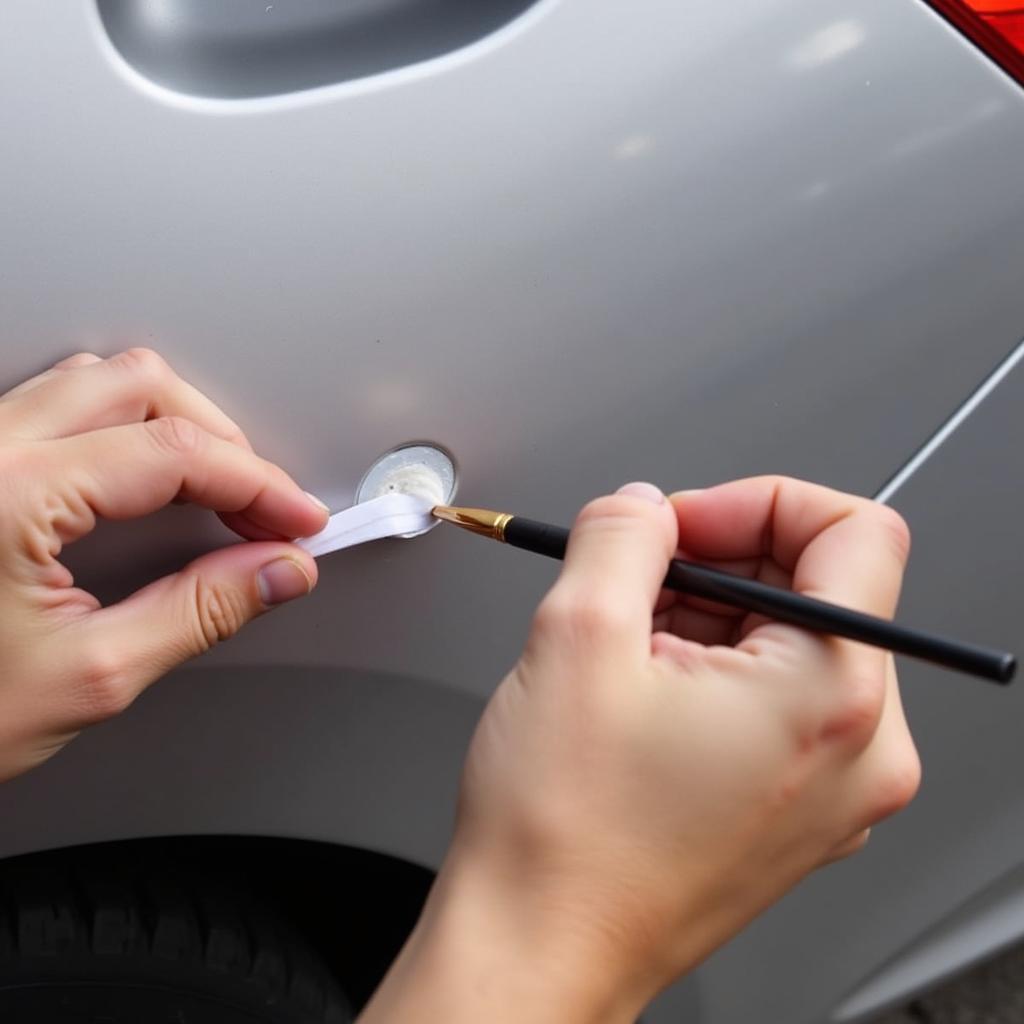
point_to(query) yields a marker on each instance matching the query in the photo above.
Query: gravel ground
(992, 993)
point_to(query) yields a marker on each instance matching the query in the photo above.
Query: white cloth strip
(387, 516)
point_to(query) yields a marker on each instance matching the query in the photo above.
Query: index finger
(618, 551)
(129, 471)
(840, 548)
(85, 393)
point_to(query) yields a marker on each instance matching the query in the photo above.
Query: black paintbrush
(752, 596)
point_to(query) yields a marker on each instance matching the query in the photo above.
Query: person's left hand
(119, 438)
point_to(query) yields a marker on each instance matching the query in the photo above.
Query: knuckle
(236, 436)
(76, 360)
(102, 691)
(582, 619)
(897, 784)
(857, 710)
(143, 361)
(175, 434)
(896, 530)
(552, 615)
(598, 615)
(220, 611)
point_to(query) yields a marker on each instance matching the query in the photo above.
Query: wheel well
(354, 906)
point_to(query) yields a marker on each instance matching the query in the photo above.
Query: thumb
(618, 554)
(182, 615)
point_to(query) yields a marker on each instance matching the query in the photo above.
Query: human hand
(634, 796)
(119, 438)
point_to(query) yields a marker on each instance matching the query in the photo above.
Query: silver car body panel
(608, 241)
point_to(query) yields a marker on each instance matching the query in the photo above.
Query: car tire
(991, 992)
(88, 944)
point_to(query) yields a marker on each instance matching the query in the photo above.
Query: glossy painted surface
(964, 836)
(942, 884)
(609, 241)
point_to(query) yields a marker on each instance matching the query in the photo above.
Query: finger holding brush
(640, 787)
(769, 529)
(749, 589)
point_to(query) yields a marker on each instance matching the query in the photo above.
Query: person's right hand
(118, 438)
(657, 770)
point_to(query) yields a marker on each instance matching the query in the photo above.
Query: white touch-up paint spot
(422, 470)
(394, 499)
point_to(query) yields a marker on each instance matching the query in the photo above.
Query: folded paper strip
(391, 515)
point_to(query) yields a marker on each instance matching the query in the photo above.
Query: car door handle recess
(248, 48)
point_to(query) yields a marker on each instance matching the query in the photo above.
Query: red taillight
(997, 26)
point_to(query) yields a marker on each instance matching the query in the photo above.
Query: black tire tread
(62, 924)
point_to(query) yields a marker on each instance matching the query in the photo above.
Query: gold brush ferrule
(476, 520)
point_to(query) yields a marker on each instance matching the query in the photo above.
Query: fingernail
(641, 490)
(688, 494)
(282, 580)
(316, 501)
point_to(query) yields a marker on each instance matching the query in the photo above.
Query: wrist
(490, 946)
